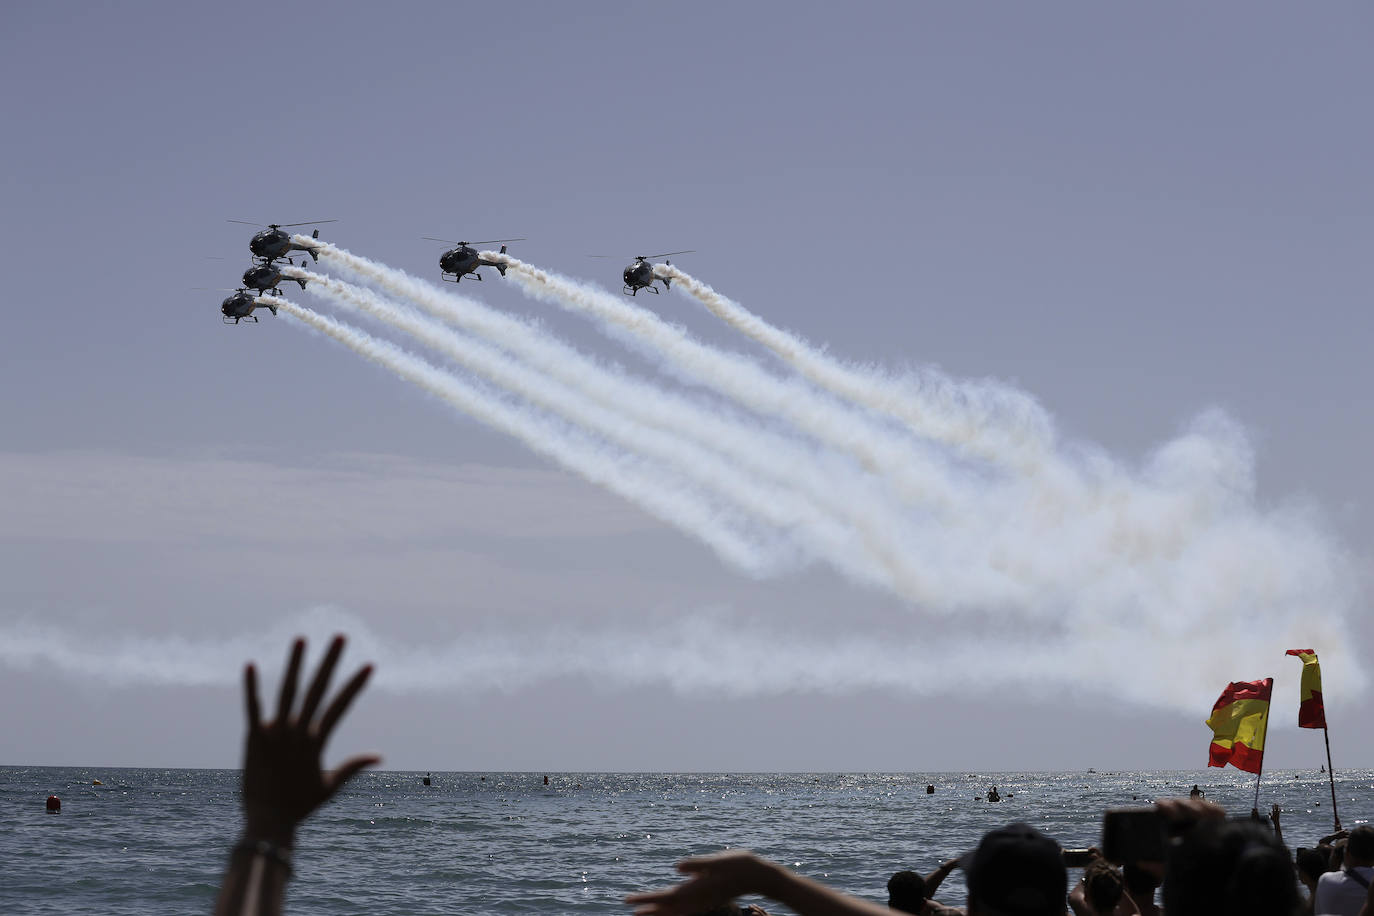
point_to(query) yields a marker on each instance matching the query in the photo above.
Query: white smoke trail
(620, 474)
(702, 652)
(919, 480)
(743, 442)
(775, 506)
(993, 423)
(1173, 559)
(769, 458)
(1081, 542)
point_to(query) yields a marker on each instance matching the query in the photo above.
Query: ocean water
(151, 841)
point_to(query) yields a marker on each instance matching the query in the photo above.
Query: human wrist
(771, 879)
(275, 855)
(269, 831)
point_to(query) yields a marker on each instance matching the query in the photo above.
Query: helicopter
(266, 278)
(239, 307)
(463, 261)
(273, 242)
(640, 274)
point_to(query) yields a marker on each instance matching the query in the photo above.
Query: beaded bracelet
(267, 850)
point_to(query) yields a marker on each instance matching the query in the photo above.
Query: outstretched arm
(283, 780)
(716, 879)
(937, 877)
(1078, 899)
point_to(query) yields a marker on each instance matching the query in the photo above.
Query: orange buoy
(54, 804)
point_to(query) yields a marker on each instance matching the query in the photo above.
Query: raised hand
(283, 780)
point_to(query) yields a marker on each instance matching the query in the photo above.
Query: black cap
(1017, 871)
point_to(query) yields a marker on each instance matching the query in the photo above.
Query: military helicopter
(640, 274)
(266, 278)
(274, 242)
(239, 307)
(463, 261)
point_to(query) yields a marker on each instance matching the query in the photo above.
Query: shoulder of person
(934, 908)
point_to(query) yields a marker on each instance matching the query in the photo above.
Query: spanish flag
(1239, 720)
(1311, 711)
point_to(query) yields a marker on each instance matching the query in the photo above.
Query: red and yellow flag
(1311, 711)
(1239, 721)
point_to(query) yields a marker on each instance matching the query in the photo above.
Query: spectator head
(1016, 871)
(906, 892)
(1311, 865)
(1229, 868)
(1359, 847)
(1102, 885)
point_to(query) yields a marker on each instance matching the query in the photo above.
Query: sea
(155, 841)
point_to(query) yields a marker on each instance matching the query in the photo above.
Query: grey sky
(1133, 214)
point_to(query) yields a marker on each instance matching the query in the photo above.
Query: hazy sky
(1134, 215)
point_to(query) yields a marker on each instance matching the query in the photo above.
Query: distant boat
(1091, 770)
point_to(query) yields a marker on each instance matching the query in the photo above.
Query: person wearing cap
(906, 892)
(1015, 871)
(1342, 893)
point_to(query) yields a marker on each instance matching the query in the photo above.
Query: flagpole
(1331, 774)
(1264, 741)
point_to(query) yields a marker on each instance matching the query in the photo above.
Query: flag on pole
(1239, 721)
(1311, 711)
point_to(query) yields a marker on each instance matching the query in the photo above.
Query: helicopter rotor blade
(313, 222)
(430, 238)
(668, 254)
(495, 241)
(243, 222)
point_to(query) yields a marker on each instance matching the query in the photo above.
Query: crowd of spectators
(1206, 863)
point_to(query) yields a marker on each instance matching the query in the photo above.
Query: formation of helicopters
(268, 246)
(273, 244)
